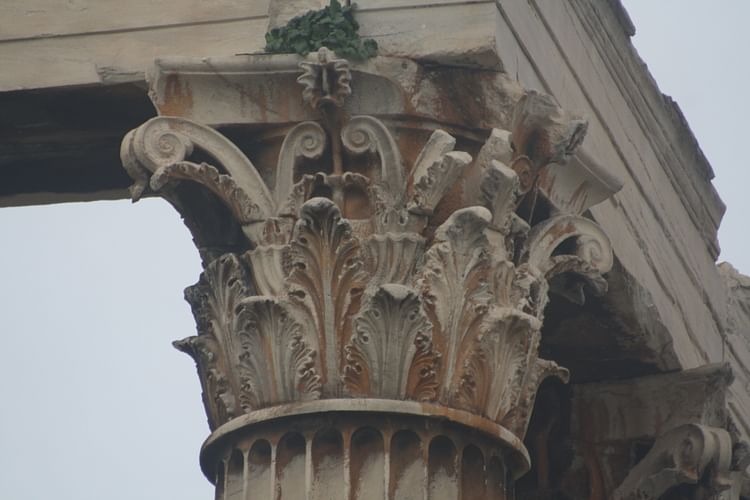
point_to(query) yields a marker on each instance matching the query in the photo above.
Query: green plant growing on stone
(333, 27)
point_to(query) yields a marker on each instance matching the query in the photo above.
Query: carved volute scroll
(368, 274)
(692, 455)
(162, 142)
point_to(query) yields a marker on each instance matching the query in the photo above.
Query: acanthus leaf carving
(300, 192)
(242, 207)
(454, 282)
(439, 144)
(492, 376)
(528, 290)
(393, 257)
(423, 382)
(276, 365)
(434, 182)
(218, 398)
(502, 282)
(389, 354)
(214, 299)
(435, 172)
(267, 267)
(490, 182)
(325, 278)
(499, 193)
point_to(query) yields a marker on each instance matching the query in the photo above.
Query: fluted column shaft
(357, 456)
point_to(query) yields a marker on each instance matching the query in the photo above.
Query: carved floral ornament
(353, 286)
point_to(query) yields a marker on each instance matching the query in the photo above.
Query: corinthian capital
(370, 261)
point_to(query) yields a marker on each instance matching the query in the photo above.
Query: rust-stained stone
(347, 253)
(178, 97)
(362, 275)
(361, 455)
(394, 262)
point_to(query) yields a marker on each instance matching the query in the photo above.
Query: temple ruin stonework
(480, 265)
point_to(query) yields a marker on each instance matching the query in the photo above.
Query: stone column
(379, 241)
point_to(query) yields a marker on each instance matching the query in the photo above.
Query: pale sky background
(97, 405)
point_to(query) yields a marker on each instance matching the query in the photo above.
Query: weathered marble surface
(362, 264)
(664, 220)
(668, 309)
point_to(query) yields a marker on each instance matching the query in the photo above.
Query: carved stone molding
(667, 436)
(688, 455)
(380, 263)
(654, 404)
(358, 449)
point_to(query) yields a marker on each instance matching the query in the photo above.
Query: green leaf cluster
(333, 27)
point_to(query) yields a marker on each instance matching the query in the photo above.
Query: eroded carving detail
(691, 454)
(326, 278)
(326, 80)
(390, 353)
(222, 185)
(544, 133)
(435, 171)
(214, 300)
(267, 266)
(364, 276)
(492, 376)
(393, 257)
(166, 140)
(454, 282)
(276, 365)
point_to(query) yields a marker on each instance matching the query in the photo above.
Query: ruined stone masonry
(477, 266)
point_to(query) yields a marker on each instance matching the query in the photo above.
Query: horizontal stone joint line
(134, 29)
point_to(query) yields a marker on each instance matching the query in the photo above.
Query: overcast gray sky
(98, 405)
(698, 52)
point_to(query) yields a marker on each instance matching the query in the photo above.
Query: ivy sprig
(333, 27)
